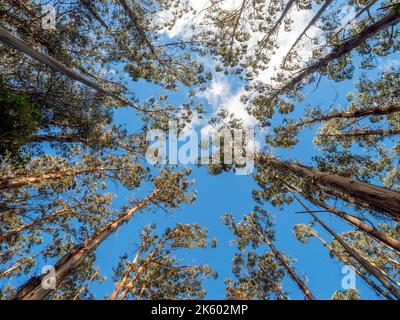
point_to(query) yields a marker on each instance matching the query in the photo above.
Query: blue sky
(228, 192)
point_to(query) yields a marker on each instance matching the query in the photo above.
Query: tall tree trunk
(55, 138)
(33, 289)
(142, 267)
(363, 133)
(346, 261)
(376, 272)
(344, 48)
(368, 196)
(386, 240)
(311, 23)
(278, 23)
(124, 279)
(29, 180)
(379, 110)
(14, 42)
(282, 259)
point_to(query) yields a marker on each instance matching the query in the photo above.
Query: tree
(378, 273)
(154, 273)
(170, 190)
(255, 230)
(304, 232)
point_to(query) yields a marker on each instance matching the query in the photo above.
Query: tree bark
(368, 196)
(7, 183)
(33, 289)
(376, 272)
(379, 110)
(346, 261)
(347, 46)
(386, 240)
(278, 255)
(14, 42)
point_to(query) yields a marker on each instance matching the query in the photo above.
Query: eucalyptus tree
(305, 232)
(154, 272)
(259, 275)
(171, 189)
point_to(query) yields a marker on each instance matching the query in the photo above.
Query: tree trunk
(140, 270)
(14, 42)
(363, 133)
(278, 23)
(347, 46)
(368, 196)
(386, 240)
(346, 261)
(312, 22)
(33, 289)
(376, 272)
(279, 256)
(7, 183)
(122, 283)
(379, 110)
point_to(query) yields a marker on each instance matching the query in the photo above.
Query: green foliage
(20, 118)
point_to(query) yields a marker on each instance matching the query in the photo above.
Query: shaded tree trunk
(379, 110)
(346, 261)
(366, 195)
(386, 240)
(376, 272)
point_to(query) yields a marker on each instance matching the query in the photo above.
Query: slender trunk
(379, 110)
(33, 289)
(346, 261)
(85, 286)
(35, 224)
(278, 23)
(282, 259)
(368, 196)
(14, 42)
(122, 283)
(312, 22)
(5, 273)
(54, 138)
(7, 183)
(376, 272)
(363, 133)
(347, 46)
(143, 266)
(386, 240)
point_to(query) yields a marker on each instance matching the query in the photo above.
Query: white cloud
(222, 91)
